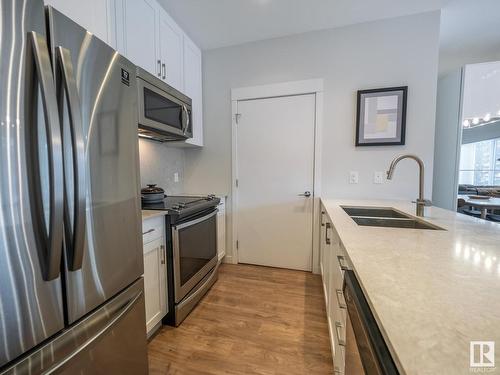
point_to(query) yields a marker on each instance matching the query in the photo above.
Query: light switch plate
(353, 177)
(378, 177)
(176, 177)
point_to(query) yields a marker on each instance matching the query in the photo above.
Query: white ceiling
(219, 23)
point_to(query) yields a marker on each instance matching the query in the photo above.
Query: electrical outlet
(378, 177)
(353, 177)
(176, 177)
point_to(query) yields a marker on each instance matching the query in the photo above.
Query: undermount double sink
(386, 217)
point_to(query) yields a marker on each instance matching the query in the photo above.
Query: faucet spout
(421, 202)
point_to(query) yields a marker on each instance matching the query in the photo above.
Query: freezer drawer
(112, 340)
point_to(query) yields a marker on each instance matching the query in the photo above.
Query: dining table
(482, 204)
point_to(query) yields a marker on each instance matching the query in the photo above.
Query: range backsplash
(158, 163)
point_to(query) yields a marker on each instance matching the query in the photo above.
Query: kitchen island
(431, 292)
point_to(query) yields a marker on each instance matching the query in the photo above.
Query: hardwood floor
(254, 320)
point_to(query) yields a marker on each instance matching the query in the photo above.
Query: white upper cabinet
(150, 38)
(137, 22)
(170, 38)
(193, 88)
(94, 15)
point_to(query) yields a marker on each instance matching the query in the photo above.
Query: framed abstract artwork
(381, 116)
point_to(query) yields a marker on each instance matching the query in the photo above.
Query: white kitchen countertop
(431, 291)
(148, 214)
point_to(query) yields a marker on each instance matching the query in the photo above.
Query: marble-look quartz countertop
(431, 291)
(148, 214)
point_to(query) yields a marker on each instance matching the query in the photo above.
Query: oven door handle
(195, 221)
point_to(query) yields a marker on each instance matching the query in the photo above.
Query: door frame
(292, 88)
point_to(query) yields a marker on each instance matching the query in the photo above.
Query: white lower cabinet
(155, 272)
(331, 264)
(221, 229)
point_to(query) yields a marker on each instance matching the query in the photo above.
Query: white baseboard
(229, 259)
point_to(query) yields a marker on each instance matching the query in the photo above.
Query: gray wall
(158, 163)
(448, 135)
(394, 52)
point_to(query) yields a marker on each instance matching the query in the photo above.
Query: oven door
(194, 252)
(162, 112)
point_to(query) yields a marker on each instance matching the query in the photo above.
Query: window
(480, 163)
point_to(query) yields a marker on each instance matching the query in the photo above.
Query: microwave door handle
(185, 124)
(76, 235)
(50, 247)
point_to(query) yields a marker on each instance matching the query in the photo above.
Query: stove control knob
(175, 207)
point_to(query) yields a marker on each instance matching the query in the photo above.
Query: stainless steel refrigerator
(71, 291)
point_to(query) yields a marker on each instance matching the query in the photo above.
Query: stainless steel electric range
(192, 263)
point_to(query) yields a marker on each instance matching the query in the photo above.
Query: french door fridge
(71, 292)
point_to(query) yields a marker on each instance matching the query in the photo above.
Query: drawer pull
(341, 299)
(163, 255)
(327, 239)
(342, 264)
(148, 231)
(338, 327)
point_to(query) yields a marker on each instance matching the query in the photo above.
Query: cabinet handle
(159, 68)
(341, 299)
(164, 69)
(327, 239)
(148, 231)
(163, 255)
(342, 264)
(338, 327)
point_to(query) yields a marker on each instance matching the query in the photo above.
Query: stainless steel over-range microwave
(164, 112)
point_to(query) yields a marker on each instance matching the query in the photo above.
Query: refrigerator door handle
(74, 233)
(49, 245)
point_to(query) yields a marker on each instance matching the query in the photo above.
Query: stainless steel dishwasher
(366, 344)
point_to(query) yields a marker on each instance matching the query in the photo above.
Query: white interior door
(275, 164)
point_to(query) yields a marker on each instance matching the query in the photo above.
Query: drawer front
(339, 360)
(153, 229)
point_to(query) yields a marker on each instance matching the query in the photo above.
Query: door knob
(306, 194)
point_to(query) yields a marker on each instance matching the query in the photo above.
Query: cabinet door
(138, 30)
(193, 88)
(221, 229)
(155, 282)
(93, 15)
(170, 43)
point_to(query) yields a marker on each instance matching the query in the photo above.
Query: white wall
(395, 52)
(158, 163)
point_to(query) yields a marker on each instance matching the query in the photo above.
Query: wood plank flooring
(254, 320)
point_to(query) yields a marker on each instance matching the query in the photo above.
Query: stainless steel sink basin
(386, 217)
(374, 212)
(394, 223)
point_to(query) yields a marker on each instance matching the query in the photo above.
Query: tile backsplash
(159, 162)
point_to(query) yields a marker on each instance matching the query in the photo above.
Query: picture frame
(381, 116)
